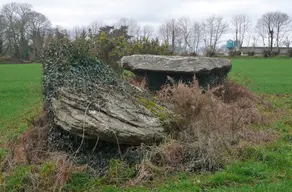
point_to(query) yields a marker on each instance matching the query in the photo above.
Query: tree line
(25, 32)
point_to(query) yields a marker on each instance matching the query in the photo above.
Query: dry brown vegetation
(139, 82)
(210, 129)
(48, 171)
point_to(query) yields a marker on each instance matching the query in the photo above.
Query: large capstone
(157, 69)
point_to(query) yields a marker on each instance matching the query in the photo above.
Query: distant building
(230, 45)
(259, 50)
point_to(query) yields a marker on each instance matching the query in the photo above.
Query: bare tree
(253, 38)
(2, 24)
(147, 32)
(287, 41)
(17, 16)
(23, 30)
(196, 36)
(75, 32)
(254, 41)
(39, 26)
(214, 27)
(241, 25)
(185, 28)
(60, 32)
(262, 31)
(274, 26)
(2, 31)
(164, 33)
(80, 32)
(281, 23)
(95, 26)
(133, 27)
(170, 33)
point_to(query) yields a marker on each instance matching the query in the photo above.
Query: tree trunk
(272, 38)
(173, 42)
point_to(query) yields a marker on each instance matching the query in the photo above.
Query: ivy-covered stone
(85, 97)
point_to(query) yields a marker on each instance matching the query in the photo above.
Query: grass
(264, 168)
(273, 76)
(20, 95)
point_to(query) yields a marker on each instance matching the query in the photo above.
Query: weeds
(51, 175)
(118, 173)
(139, 82)
(31, 167)
(210, 129)
(207, 129)
(209, 125)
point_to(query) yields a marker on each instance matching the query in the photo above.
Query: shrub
(251, 53)
(274, 53)
(269, 53)
(233, 53)
(194, 54)
(238, 53)
(139, 82)
(210, 53)
(233, 92)
(127, 75)
(266, 53)
(146, 46)
(289, 52)
(207, 125)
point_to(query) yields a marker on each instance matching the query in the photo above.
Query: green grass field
(20, 87)
(266, 168)
(266, 75)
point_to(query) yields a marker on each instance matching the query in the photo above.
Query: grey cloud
(69, 13)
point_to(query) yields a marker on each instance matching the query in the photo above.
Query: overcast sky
(69, 13)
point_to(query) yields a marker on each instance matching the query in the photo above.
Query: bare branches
(241, 25)
(196, 36)
(183, 35)
(22, 27)
(214, 27)
(187, 35)
(164, 32)
(133, 26)
(185, 27)
(281, 22)
(79, 32)
(170, 32)
(287, 41)
(147, 32)
(95, 26)
(273, 26)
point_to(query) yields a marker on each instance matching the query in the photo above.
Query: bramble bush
(289, 52)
